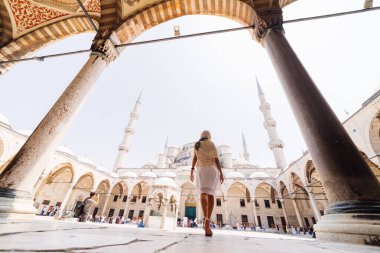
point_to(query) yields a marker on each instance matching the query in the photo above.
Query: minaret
(166, 146)
(245, 150)
(275, 143)
(161, 162)
(129, 131)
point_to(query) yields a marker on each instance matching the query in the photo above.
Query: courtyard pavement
(65, 236)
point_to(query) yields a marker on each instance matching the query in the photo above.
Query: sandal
(208, 231)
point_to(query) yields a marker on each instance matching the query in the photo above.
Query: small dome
(4, 121)
(148, 174)
(86, 160)
(150, 165)
(65, 150)
(165, 181)
(26, 132)
(235, 175)
(169, 174)
(260, 174)
(102, 168)
(129, 174)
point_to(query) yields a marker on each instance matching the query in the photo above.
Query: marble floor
(65, 236)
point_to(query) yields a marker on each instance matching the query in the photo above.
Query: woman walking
(209, 175)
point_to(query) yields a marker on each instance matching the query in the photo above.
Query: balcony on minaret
(129, 130)
(264, 107)
(269, 123)
(134, 115)
(275, 144)
(123, 147)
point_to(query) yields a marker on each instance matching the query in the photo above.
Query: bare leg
(204, 204)
(210, 206)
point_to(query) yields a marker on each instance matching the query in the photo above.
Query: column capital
(267, 20)
(105, 48)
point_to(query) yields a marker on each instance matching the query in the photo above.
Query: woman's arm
(217, 162)
(195, 159)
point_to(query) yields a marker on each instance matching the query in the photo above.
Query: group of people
(83, 213)
(51, 211)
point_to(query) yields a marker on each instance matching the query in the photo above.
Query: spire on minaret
(275, 143)
(129, 131)
(166, 145)
(245, 150)
(259, 90)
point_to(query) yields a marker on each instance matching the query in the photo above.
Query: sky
(201, 83)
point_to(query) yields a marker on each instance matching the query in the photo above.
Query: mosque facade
(161, 193)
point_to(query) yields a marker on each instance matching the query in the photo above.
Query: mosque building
(161, 193)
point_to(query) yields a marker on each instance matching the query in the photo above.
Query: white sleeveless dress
(207, 175)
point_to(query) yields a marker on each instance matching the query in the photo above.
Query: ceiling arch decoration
(27, 15)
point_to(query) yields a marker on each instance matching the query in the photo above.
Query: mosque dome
(148, 174)
(235, 175)
(165, 181)
(258, 175)
(64, 150)
(26, 132)
(169, 174)
(129, 174)
(150, 165)
(102, 168)
(86, 161)
(4, 121)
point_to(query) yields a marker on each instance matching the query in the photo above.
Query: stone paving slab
(58, 236)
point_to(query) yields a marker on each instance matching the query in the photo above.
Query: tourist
(209, 175)
(89, 202)
(44, 210)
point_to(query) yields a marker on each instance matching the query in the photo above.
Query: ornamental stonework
(27, 14)
(31, 13)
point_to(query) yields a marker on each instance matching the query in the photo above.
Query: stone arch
(316, 188)
(136, 23)
(81, 190)
(188, 204)
(2, 150)
(303, 201)
(374, 134)
(239, 198)
(268, 209)
(50, 191)
(373, 166)
(139, 195)
(21, 47)
(288, 204)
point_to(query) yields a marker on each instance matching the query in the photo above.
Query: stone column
(163, 217)
(176, 215)
(299, 218)
(351, 187)
(314, 204)
(148, 208)
(18, 178)
(127, 206)
(199, 210)
(227, 218)
(284, 211)
(255, 213)
(67, 197)
(104, 208)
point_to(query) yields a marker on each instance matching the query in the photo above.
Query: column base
(16, 204)
(360, 228)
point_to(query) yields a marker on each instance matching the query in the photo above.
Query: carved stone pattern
(131, 2)
(93, 6)
(266, 21)
(107, 51)
(27, 15)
